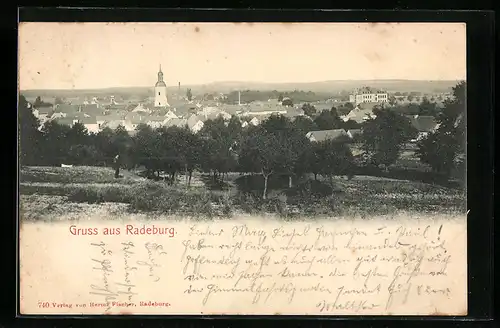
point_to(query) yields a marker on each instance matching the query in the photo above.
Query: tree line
(247, 96)
(278, 146)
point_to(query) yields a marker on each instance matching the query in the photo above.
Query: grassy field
(49, 192)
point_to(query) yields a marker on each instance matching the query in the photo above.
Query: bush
(310, 190)
(227, 205)
(255, 183)
(158, 197)
(216, 184)
(96, 195)
(248, 202)
(275, 206)
(43, 189)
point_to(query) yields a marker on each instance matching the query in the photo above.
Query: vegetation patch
(75, 174)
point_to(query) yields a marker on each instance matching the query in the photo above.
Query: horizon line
(242, 81)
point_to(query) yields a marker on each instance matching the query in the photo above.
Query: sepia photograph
(242, 168)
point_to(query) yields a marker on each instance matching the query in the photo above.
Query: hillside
(334, 86)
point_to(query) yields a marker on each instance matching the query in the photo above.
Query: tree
(38, 102)
(277, 123)
(384, 136)
(81, 154)
(309, 109)
(287, 102)
(328, 120)
(311, 160)
(192, 152)
(147, 149)
(29, 135)
(427, 108)
(189, 95)
(349, 105)
(208, 96)
(189, 151)
(441, 148)
(280, 97)
(78, 135)
(217, 158)
(234, 128)
(332, 158)
(54, 145)
(172, 159)
(220, 142)
(260, 152)
(345, 109)
(439, 151)
(293, 142)
(103, 143)
(392, 100)
(304, 124)
(408, 109)
(122, 144)
(351, 125)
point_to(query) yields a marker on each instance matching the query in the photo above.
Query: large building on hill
(367, 94)
(161, 92)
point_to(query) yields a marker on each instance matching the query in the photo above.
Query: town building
(337, 135)
(90, 124)
(194, 123)
(140, 108)
(424, 125)
(367, 94)
(43, 113)
(170, 114)
(355, 133)
(178, 122)
(361, 113)
(155, 121)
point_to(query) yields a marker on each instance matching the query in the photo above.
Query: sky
(101, 55)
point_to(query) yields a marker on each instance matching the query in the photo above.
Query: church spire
(160, 75)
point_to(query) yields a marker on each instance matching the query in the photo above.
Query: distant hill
(330, 87)
(334, 86)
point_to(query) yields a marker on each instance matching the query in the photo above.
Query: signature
(104, 290)
(127, 285)
(152, 248)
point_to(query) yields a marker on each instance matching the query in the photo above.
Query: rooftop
(64, 120)
(88, 120)
(65, 108)
(179, 122)
(337, 135)
(424, 123)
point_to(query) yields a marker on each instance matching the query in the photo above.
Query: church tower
(161, 92)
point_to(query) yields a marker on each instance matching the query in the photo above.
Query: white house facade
(366, 94)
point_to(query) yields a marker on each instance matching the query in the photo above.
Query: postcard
(242, 169)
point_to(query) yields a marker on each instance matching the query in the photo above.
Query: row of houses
(423, 124)
(96, 117)
(97, 120)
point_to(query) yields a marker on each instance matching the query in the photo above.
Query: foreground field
(48, 193)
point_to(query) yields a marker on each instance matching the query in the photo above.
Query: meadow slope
(54, 193)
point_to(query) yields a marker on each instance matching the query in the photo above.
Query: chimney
(179, 91)
(239, 98)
